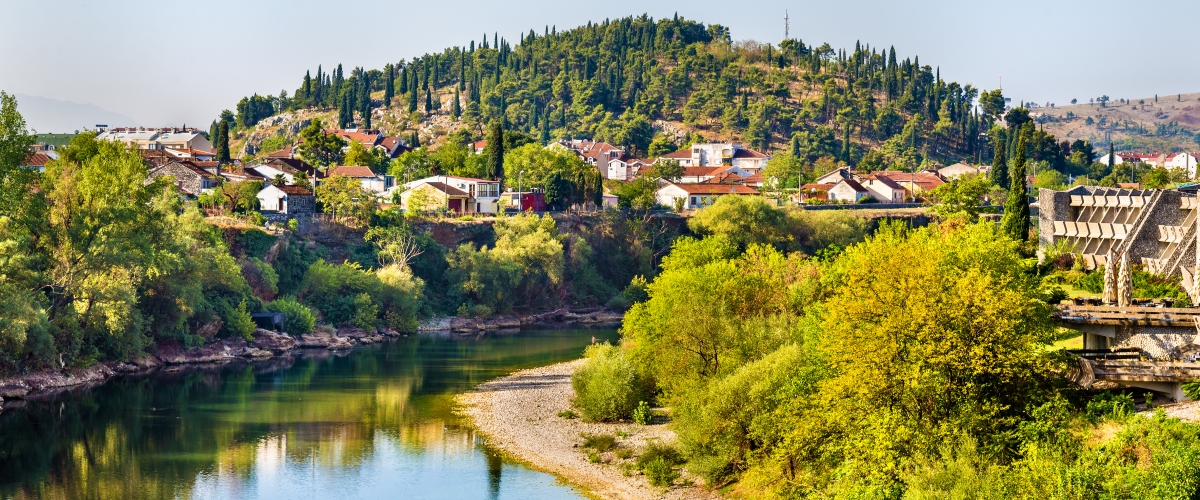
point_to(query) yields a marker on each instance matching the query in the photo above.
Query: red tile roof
(353, 171)
(681, 154)
(854, 185)
(295, 190)
(716, 188)
(699, 171)
(38, 160)
(286, 152)
(747, 153)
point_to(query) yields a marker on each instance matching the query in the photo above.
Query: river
(373, 422)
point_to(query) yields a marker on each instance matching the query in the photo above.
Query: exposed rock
(42, 381)
(353, 332)
(211, 353)
(13, 388)
(277, 343)
(324, 340)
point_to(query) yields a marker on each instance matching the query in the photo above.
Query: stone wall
(1162, 343)
(301, 204)
(188, 180)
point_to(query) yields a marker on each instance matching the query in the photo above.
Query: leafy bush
(299, 318)
(658, 462)
(607, 388)
(1192, 390)
(240, 322)
(365, 312)
(335, 291)
(599, 442)
(399, 297)
(1110, 405)
(1091, 282)
(641, 414)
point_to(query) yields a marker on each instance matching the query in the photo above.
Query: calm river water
(374, 422)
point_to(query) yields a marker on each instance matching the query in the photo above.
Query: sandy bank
(519, 414)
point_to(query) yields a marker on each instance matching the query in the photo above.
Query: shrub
(400, 296)
(641, 414)
(333, 289)
(300, 319)
(1109, 405)
(607, 387)
(240, 322)
(567, 414)
(365, 312)
(658, 462)
(599, 442)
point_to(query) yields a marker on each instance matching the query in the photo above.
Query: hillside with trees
(653, 86)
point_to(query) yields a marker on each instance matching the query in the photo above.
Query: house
(1185, 161)
(286, 152)
(479, 146)
(288, 167)
(696, 175)
(883, 189)
(371, 181)
(847, 191)
(914, 182)
(157, 157)
(290, 200)
(243, 174)
(720, 154)
(372, 139)
(192, 178)
(692, 196)
(836, 175)
(478, 195)
(38, 161)
(814, 192)
(192, 154)
(434, 196)
(524, 201)
(956, 170)
(596, 154)
(158, 138)
(626, 167)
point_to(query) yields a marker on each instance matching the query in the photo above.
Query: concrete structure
(697, 195)
(1157, 228)
(158, 138)
(847, 191)
(290, 200)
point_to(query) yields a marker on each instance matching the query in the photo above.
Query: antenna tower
(786, 24)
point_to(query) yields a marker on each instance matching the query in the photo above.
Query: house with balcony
(717, 154)
(693, 196)
(463, 195)
(371, 181)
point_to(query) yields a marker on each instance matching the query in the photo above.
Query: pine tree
(999, 173)
(223, 142)
(495, 151)
(1015, 222)
(457, 110)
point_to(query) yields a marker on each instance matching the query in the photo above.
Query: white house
(1181, 160)
(847, 191)
(697, 195)
(371, 181)
(883, 189)
(291, 200)
(716, 154)
(836, 175)
(478, 195)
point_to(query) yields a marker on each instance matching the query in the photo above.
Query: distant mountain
(47, 115)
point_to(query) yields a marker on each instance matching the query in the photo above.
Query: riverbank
(267, 344)
(519, 414)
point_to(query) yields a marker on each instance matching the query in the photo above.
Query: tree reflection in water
(376, 421)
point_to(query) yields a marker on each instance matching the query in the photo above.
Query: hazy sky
(169, 62)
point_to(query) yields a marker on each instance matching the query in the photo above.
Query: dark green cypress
(403, 80)
(495, 151)
(457, 110)
(1015, 222)
(412, 99)
(223, 144)
(389, 86)
(999, 173)
(846, 143)
(428, 101)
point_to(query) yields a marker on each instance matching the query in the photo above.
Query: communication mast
(786, 24)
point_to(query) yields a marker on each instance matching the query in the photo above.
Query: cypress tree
(1111, 158)
(1015, 222)
(545, 138)
(999, 173)
(846, 143)
(457, 110)
(389, 86)
(495, 147)
(428, 101)
(416, 140)
(412, 99)
(223, 142)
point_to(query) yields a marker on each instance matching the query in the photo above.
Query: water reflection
(376, 422)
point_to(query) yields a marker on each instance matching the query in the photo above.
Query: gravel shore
(519, 414)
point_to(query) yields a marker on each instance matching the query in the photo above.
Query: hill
(54, 116)
(1162, 124)
(654, 86)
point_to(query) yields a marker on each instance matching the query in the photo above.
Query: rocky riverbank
(519, 414)
(267, 344)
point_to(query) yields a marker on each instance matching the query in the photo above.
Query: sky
(171, 62)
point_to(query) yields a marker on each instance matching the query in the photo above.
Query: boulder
(277, 343)
(13, 388)
(41, 381)
(211, 353)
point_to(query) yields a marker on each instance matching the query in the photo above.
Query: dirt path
(519, 414)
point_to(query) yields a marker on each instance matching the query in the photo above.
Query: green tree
(1015, 222)
(744, 221)
(223, 143)
(999, 172)
(346, 198)
(318, 147)
(667, 168)
(495, 152)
